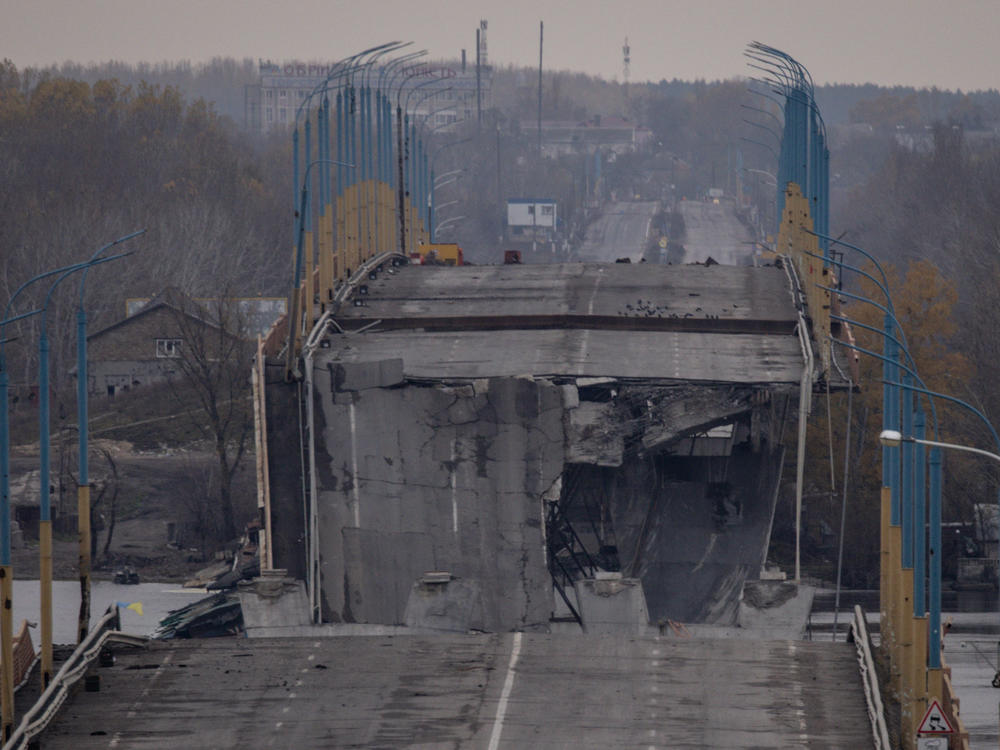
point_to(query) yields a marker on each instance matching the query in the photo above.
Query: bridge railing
(47, 706)
(869, 678)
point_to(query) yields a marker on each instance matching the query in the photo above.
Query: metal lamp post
(431, 208)
(894, 438)
(6, 572)
(908, 510)
(45, 508)
(83, 481)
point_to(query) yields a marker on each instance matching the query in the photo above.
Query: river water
(157, 600)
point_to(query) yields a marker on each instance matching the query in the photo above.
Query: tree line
(926, 214)
(82, 164)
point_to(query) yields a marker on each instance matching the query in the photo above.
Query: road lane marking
(134, 708)
(454, 487)
(355, 492)
(797, 690)
(508, 685)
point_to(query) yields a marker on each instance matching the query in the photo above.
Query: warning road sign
(935, 722)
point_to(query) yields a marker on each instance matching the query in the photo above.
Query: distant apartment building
(604, 134)
(434, 93)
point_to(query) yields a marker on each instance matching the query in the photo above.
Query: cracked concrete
(448, 479)
(413, 477)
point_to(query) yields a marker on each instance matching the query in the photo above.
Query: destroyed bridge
(485, 447)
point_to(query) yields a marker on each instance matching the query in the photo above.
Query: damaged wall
(449, 478)
(284, 465)
(691, 519)
(414, 477)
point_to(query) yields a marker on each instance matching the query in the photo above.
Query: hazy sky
(950, 44)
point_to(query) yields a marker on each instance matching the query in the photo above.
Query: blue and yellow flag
(136, 606)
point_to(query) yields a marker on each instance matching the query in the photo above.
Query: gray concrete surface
(429, 294)
(612, 605)
(695, 323)
(444, 429)
(272, 603)
(970, 651)
(669, 355)
(621, 231)
(712, 230)
(694, 543)
(436, 479)
(471, 691)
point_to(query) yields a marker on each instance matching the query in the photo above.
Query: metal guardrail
(41, 714)
(950, 706)
(24, 655)
(869, 678)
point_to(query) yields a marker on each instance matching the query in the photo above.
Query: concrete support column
(895, 608)
(45, 545)
(919, 667)
(83, 533)
(885, 566)
(7, 655)
(906, 657)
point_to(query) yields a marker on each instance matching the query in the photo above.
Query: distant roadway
(713, 230)
(622, 231)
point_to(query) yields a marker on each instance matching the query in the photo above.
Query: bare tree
(109, 484)
(214, 360)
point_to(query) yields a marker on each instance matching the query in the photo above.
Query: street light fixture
(83, 482)
(894, 438)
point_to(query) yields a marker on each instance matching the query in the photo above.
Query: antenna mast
(627, 58)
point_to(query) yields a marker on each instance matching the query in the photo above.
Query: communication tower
(627, 58)
(482, 43)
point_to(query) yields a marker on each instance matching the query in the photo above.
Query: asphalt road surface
(495, 691)
(712, 230)
(621, 232)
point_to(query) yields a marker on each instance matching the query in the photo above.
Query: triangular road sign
(935, 722)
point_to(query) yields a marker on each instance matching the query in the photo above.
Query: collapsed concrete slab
(612, 604)
(440, 602)
(436, 478)
(524, 430)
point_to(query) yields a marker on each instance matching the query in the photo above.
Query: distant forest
(222, 80)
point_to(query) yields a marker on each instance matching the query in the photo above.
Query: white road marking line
(797, 690)
(593, 294)
(134, 708)
(454, 491)
(508, 685)
(355, 492)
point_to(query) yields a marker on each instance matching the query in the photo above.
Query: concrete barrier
(612, 604)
